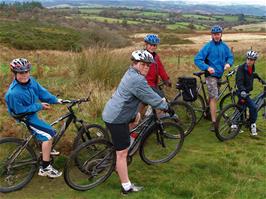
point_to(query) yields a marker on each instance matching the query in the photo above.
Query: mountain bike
(157, 141)
(234, 116)
(19, 158)
(201, 104)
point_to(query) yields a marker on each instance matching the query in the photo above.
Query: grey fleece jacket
(122, 107)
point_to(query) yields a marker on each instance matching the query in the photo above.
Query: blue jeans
(253, 114)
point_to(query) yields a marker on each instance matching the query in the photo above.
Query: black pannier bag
(188, 87)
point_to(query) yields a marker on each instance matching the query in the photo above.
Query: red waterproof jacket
(156, 72)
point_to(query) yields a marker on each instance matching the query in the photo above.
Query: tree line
(20, 6)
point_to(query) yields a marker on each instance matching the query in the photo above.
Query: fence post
(178, 58)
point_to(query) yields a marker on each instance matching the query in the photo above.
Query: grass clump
(102, 65)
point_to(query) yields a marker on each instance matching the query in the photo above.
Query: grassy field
(205, 168)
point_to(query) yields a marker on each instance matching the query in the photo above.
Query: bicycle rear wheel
(261, 120)
(151, 149)
(91, 131)
(90, 165)
(198, 106)
(16, 174)
(184, 116)
(228, 122)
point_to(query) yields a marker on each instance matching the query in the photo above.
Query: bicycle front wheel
(89, 132)
(228, 122)
(17, 165)
(229, 98)
(156, 148)
(184, 116)
(90, 165)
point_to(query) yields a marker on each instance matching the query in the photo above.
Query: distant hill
(174, 6)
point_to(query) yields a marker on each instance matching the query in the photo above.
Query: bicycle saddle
(199, 73)
(20, 117)
(220, 82)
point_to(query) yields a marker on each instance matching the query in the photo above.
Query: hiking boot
(253, 129)
(50, 172)
(53, 152)
(133, 189)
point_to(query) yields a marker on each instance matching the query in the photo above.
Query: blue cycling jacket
(215, 55)
(26, 98)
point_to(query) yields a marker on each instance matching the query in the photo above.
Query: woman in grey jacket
(122, 109)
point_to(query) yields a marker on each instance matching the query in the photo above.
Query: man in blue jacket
(214, 57)
(26, 96)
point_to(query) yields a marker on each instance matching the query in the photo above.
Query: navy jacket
(244, 81)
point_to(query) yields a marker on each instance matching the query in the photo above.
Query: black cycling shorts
(120, 135)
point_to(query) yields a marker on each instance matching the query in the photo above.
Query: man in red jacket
(156, 70)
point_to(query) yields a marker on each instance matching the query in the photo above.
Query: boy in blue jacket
(214, 57)
(26, 96)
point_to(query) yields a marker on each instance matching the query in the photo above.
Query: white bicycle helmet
(20, 65)
(252, 55)
(143, 56)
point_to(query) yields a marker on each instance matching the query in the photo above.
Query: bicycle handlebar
(230, 73)
(76, 101)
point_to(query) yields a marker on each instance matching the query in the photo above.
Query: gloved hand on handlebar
(168, 83)
(61, 101)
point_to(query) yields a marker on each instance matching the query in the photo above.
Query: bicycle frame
(226, 87)
(143, 128)
(71, 117)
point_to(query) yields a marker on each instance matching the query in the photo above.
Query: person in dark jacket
(244, 81)
(26, 96)
(214, 57)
